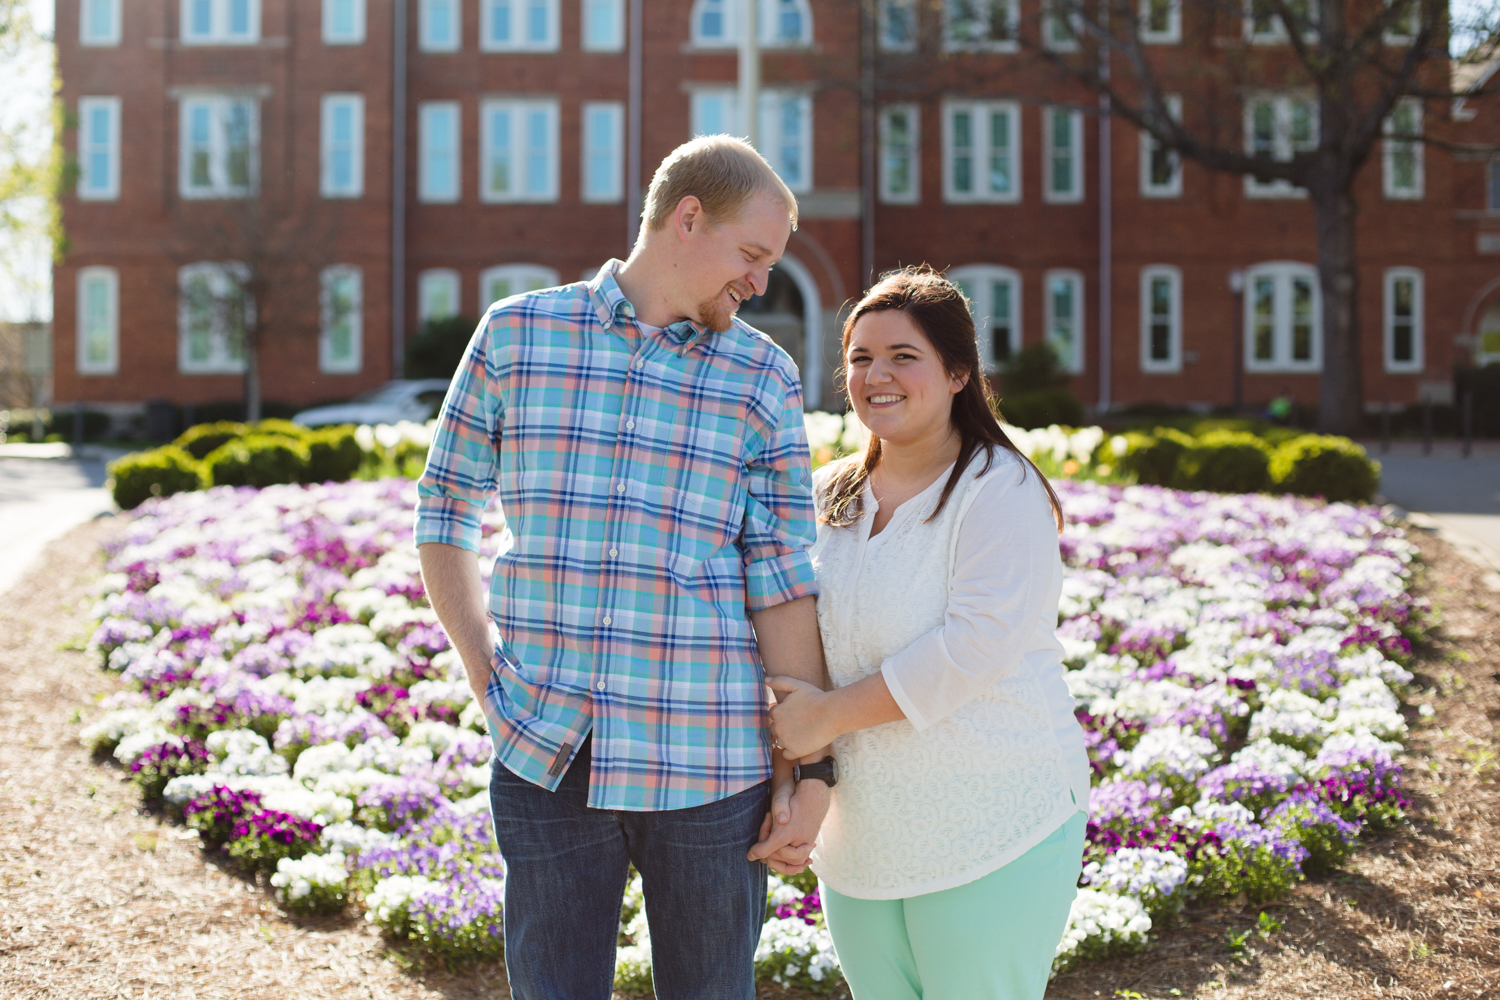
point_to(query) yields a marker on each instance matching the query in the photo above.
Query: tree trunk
(252, 376)
(1341, 408)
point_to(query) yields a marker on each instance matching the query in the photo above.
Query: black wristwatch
(825, 770)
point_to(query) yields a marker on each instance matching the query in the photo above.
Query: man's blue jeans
(565, 871)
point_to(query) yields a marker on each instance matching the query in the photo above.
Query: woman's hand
(802, 720)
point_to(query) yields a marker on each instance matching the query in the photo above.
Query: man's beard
(713, 314)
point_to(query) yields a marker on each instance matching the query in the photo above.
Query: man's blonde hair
(722, 172)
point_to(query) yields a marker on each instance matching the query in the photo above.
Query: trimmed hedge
(334, 455)
(1333, 468)
(1226, 462)
(202, 439)
(1042, 408)
(259, 460)
(159, 472)
(1156, 458)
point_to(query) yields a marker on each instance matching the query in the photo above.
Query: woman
(953, 843)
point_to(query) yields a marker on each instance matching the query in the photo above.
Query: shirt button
(630, 425)
(640, 363)
(608, 620)
(599, 686)
(620, 488)
(614, 552)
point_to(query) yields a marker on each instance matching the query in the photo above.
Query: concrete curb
(57, 450)
(1465, 545)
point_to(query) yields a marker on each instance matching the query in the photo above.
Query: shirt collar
(609, 304)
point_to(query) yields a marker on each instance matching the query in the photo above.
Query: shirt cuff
(448, 521)
(769, 582)
(903, 700)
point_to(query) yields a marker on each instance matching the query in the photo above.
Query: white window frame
(428, 175)
(110, 363)
(219, 106)
(984, 146)
(218, 32)
(1418, 321)
(533, 182)
(522, 278)
(1173, 362)
(327, 362)
(884, 38)
(1172, 35)
(769, 12)
(1148, 144)
(729, 112)
(610, 159)
(594, 37)
(222, 359)
(1074, 363)
(1413, 24)
(90, 186)
(522, 37)
(1277, 35)
(88, 33)
(1050, 194)
(356, 33)
(978, 282)
(429, 40)
(1050, 18)
(1391, 148)
(1284, 145)
(430, 283)
(1282, 274)
(954, 41)
(774, 142)
(912, 155)
(329, 185)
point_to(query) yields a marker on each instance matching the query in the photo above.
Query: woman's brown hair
(938, 308)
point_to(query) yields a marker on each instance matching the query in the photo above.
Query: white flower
(1099, 922)
(296, 878)
(1170, 749)
(243, 751)
(351, 838)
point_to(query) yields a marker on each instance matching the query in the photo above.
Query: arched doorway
(790, 313)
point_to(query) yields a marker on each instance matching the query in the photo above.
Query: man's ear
(688, 216)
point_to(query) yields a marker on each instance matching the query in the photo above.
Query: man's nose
(759, 280)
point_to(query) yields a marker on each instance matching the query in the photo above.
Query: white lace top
(958, 614)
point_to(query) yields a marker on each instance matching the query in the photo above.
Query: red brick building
(331, 173)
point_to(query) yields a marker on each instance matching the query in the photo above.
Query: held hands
(790, 830)
(801, 721)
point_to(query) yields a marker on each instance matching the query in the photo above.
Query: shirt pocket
(707, 505)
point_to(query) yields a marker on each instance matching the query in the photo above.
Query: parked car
(414, 399)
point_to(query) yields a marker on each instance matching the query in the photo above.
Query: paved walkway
(42, 498)
(1460, 495)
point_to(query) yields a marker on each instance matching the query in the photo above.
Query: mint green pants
(990, 939)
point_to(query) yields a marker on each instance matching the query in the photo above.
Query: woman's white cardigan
(958, 614)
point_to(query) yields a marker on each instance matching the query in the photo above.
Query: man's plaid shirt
(657, 485)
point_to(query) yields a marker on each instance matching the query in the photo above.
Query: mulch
(100, 897)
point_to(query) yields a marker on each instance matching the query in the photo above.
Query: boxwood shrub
(159, 472)
(1226, 462)
(334, 454)
(1156, 458)
(1042, 408)
(1333, 468)
(204, 438)
(259, 460)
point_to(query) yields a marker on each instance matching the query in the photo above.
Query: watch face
(833, 767)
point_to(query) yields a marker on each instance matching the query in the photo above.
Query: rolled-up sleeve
(459, 478)
(1002, 600)
(779, 527)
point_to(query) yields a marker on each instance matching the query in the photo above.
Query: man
(647, 449)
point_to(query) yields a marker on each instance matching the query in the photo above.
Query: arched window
(437, 294)
(512, 279)
(1283, 318)
(994, 295)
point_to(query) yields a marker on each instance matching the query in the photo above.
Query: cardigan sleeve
(1002, 599)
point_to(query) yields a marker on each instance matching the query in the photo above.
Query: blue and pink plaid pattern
(657, 485)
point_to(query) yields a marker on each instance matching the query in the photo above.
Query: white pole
(749, 96)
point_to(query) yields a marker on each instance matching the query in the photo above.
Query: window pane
(1263, 129)
(791, 140)
(1062, 152)
(200, 319)
(1494, 186)
(499, 289)
(1264, 319)
(1159, 16)
(1163, 164)
(1302, 319)
(601, 154)
(1064, 333)
(239, 18)
(237, 144)
(1161, 319)
(602, 30)
(1001, 321)
(963, 152)
(900, 23)
(1000, 153)
(200, 175)
(200, 17)
(99, 19)
(1263, 19)
(536, 153)
(999, 20)
(536, 22)
(898, 153)
(96, 320)
(1403, 315)
(1302, 125)
(500, 152)
(788, 20)
(343, 18)
(439, 14)
(711, 21)
(500, 21)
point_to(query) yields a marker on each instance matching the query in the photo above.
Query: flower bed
(1238, 662)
